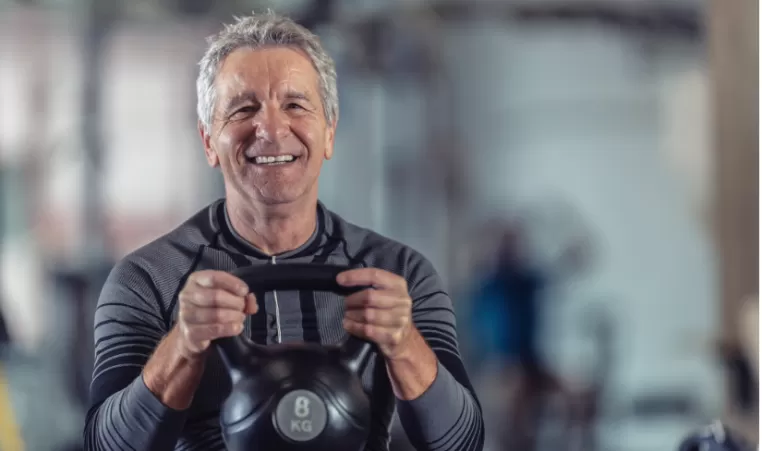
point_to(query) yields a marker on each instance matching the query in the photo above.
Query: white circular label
(301, 415)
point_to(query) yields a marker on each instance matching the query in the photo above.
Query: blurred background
(582, 173)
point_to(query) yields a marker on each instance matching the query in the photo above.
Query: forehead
(266, 71)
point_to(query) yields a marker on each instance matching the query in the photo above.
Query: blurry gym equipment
(715, 437)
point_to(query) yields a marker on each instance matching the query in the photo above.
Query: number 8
(302, 407)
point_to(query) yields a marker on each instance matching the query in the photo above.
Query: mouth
(272, 160)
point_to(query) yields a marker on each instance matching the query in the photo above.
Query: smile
(272, 160)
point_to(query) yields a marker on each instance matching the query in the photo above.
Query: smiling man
(268, 108)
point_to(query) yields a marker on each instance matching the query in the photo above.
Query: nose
(271, 124)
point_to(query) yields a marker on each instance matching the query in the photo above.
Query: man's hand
(213, 304)
(381, 314)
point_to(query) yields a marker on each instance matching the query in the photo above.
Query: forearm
(170, 376)
(446, 417)
(413, 372)
(148, 414)
(436, 411)
(134, 419)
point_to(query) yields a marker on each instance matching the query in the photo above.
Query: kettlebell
(295, 397)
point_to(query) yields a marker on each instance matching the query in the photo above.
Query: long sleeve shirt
(138, 307)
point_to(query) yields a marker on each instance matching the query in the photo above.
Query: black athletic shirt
(138, 307)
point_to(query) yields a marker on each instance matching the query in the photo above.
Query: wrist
(181, 351)
(413, 369)
(171, 374)
(406, 351)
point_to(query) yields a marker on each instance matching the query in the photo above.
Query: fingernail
(243, 290)
(205, 282)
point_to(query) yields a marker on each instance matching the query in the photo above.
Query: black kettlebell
(295, 397)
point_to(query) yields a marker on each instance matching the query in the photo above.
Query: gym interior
(614, 143)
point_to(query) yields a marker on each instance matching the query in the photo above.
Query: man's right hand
(211, 305)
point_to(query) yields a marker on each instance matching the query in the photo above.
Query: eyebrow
(252, 97)
(241, 98)
(296, 95)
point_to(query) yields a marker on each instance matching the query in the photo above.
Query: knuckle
(371, 297)
(196, 296)
(369, 315)
(185, 295)
(368, 330)
(217, 316)
(185, 315)
(216, 298)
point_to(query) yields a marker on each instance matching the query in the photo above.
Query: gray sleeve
(124, 414)
(448, 416)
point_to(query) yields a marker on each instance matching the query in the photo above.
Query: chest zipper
(279, 338)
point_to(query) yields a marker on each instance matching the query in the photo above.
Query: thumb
(251, 307)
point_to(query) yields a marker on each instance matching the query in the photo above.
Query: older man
(267, 105)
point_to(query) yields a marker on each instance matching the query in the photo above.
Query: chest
(296, 317)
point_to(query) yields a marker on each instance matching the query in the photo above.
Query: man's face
(268, 107)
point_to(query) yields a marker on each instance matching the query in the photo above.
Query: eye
(245, 111)
(294, 105)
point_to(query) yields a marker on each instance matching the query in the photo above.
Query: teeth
(278, 159)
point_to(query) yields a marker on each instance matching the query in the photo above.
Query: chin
(278, 195)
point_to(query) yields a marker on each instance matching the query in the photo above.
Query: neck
(274, 229)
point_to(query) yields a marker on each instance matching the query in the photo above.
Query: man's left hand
(381, 314)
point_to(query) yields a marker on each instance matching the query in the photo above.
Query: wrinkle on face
(264, 92)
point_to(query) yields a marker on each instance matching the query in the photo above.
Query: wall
(578, 114)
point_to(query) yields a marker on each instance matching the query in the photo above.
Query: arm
(445, 414)
(125, 414)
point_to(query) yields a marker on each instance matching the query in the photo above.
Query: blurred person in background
(506, 315)
(268, 110)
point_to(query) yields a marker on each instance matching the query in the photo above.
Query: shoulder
(375, 250)
(168, 257)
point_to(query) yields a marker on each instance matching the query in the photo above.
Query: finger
(376, 299)
(199, 316)
(251, 304)
(394, 318)
(376, 334)
(201, 333)
(358, 329)
(212, 298)
(372, 277)
(221, 280)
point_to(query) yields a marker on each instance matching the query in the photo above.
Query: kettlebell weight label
(301, 426)
(301, 415)
(302, 407)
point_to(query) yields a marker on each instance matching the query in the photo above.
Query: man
(268, 110)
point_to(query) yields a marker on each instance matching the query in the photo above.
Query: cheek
(231, 139)
(311, 136)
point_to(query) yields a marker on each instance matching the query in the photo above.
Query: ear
(329, 140)
(211, 156)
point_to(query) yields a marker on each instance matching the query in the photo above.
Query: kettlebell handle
(297, 276)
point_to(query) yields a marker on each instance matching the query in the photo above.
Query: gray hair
(257, 31)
